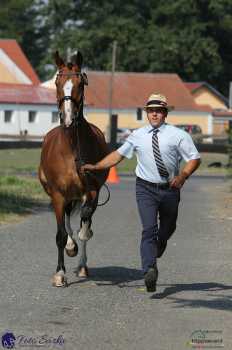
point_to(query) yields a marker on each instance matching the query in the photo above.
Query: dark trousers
(158, 210)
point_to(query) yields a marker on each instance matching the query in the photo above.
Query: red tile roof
(131, 90)
(15, 53)
(222, 113)
(26, 94)
(194, 86)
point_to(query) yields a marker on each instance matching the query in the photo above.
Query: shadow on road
(113, 275)
(212, 299)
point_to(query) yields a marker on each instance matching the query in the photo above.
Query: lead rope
(82, 162)
(104, 185)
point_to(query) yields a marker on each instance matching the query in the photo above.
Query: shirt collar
(150, 127)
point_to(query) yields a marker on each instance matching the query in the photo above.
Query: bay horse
(65, 149)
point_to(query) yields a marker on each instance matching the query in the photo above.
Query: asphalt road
(112, 310)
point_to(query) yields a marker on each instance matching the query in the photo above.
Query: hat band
(156, 102)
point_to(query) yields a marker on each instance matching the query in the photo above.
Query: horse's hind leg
(58, 202)
(71, 247)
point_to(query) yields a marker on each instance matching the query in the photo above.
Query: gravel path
(112, 310)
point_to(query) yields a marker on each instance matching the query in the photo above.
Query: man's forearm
(190, 167)
(112, 159)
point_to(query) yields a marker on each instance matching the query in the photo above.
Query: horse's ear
(77, 59)
(59, 61)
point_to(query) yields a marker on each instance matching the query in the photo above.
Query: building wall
(220, 126)
(6, 76)
(128, 119)
(198, 119)
(20, 120)
(203, 96)
(12, 72)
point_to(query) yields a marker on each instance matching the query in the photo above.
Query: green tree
(182, 36)
(188, 37)
(21, 20)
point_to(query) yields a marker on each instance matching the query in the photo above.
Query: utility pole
(230, 96)
(112, 133)
(68, 54)
(230, 131)
(230, 145)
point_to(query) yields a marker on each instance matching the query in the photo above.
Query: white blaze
(67, 104)
(85, 232)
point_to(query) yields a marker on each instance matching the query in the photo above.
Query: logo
(8, 340)
(206, 339)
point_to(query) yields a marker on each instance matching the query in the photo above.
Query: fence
(202, 147)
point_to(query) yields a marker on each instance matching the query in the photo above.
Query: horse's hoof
(71, 248)
(83, 272)
(59, 280)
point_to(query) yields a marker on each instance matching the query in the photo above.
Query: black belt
(162, 185)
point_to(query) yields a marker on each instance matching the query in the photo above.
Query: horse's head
(70, 88)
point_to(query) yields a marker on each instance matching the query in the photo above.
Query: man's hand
(86, 167)
(178, 181)
(110, 160)
(189, 168)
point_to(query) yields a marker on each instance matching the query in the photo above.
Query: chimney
(230, 96)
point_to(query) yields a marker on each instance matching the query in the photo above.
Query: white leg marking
(68, 225)
(85, 232)
(83, 254)
(60, 273)
(70, 244)
(59, 279)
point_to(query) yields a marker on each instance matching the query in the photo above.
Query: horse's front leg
(59, 279)
(85, 233)
(71, 247)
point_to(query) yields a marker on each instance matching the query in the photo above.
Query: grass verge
(26, 161)
(19, 196)
(128, 165)
(19, 161)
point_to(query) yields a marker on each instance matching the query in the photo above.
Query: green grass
(20, 192)
(207, 158)
(128, 165)
(19, 161)
(18, 197)
(26, 161)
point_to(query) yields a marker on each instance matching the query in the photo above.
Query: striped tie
(158, 159)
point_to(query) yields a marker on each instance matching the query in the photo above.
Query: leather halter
(79, 104)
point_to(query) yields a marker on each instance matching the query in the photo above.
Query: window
(32, 117)
(8, 117)
(55, 117)
(139, 114)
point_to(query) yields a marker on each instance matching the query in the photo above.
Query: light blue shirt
(175, 144)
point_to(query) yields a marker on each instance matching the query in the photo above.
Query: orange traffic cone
(113, 176)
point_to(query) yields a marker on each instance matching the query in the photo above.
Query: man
(159, 147)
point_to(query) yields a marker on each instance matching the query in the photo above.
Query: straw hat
(156, 100)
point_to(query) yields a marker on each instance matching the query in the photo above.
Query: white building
(26, 108)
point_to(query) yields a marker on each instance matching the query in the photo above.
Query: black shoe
(161, 246)
(150, 279)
